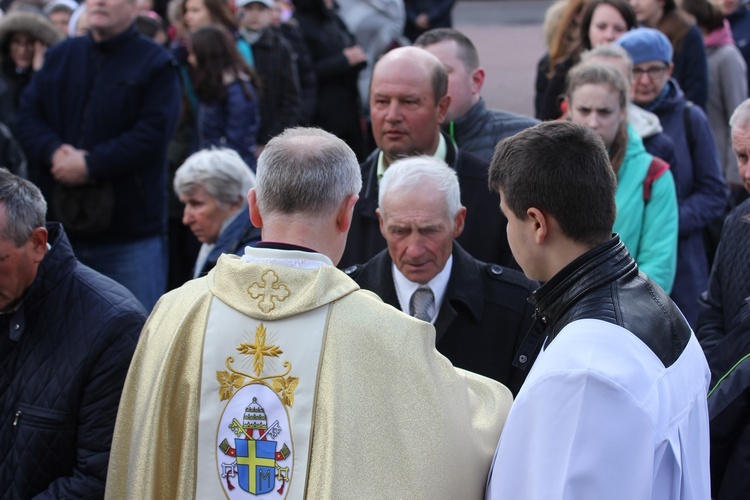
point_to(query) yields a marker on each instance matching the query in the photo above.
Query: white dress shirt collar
(405, 288)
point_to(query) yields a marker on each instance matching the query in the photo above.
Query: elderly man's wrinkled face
(741, 145)
(405, 117)
(18, 265)
(649, 79)
(419, 231)
(205, 215)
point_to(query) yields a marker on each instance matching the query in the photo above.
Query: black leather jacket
(605, 284)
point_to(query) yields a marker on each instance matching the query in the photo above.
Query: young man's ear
(540, 224)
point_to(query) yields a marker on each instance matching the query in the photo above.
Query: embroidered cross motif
(269, 291)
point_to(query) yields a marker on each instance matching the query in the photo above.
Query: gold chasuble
(276, 377)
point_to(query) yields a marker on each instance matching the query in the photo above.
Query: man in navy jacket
(67, 334)
(95, 123)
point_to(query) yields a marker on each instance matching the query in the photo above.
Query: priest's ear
(252, 202)
(345, 213)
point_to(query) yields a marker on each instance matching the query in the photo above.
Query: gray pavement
(508, 35)
(495, 12)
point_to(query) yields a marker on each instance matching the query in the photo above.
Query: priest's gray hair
(306, 171)
(741, 116)
(25, 208)
(220, 172)
(422, 172)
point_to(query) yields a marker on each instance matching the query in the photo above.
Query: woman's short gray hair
(306, 170)
(420, 171)
(220, 172)
(25, 208)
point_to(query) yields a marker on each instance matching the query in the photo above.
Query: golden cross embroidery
(269, 291)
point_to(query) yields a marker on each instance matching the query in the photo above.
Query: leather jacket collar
(598, 267)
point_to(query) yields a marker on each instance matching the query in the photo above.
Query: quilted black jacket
(64, 354)
(729, 284)
(481, 128)
(729, 410)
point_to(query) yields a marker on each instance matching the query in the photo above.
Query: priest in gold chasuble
(275, 376)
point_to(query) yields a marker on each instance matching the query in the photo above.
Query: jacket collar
(598, 267)
(465, 289)
(469, 124)
(670, 96)
(465, 285)
(368, 199)
(56, 265)
(116, 41)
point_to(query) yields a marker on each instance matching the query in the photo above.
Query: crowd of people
(284, 247)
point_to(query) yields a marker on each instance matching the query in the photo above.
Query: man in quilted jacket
(67, 334)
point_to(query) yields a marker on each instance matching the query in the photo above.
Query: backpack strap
(655, 170)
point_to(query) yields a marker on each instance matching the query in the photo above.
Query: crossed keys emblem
(269, 291)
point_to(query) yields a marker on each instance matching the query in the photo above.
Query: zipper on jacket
(15, 420)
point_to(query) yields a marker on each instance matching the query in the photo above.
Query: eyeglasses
(653, 72)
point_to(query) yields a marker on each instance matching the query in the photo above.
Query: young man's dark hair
(555, 167)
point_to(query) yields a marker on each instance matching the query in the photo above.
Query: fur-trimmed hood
(36, 25)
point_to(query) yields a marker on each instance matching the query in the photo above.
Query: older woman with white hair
(213, 185)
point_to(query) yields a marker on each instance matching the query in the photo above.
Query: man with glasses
(701, 191)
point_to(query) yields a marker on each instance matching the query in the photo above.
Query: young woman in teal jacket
(647, 215)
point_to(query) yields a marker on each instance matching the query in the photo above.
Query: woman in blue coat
(690, 62)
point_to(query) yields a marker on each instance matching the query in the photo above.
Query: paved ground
(508, 36)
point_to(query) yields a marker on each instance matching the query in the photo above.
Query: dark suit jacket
(484, 234)
(484, 316)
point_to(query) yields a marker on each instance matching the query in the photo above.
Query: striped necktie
(421, 302)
